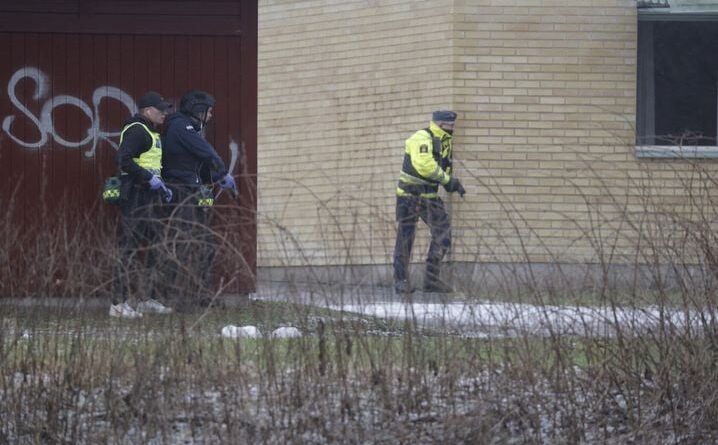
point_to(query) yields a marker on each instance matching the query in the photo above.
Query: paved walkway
(476, 318)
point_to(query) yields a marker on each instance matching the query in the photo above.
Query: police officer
(188, 164)
(427, 164)
(141, 193)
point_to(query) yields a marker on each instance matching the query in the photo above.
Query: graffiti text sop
(44, 122)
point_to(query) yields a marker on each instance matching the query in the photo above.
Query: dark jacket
(135, 141)
(186, 153)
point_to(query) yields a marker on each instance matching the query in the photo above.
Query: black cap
(153, 99)
(443, 116)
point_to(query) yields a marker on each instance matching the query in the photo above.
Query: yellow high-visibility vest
(427, 163)
(151, 160)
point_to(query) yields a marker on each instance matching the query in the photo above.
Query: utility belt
(137, 181)
(186, 183)
(418, 189)
(154, 171)
(196, 194)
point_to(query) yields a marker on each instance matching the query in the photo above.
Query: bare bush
(533, 360)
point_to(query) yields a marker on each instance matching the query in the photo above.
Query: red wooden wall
(71, 72)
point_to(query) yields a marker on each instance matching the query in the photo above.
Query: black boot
(432, 279)
(403, 287)
(437, 286)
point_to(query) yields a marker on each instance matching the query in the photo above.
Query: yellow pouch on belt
(111, 190)
(206, 196)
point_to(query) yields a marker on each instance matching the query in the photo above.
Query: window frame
(645, 87)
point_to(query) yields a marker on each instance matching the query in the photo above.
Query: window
(677, 92)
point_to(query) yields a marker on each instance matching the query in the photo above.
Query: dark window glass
(684, 88)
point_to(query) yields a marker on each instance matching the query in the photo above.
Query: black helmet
(196, 103)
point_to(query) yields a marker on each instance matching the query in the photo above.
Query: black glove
(454, 185)
(460, 190)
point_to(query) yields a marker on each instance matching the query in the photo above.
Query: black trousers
(135, 268)
(432, 211)
(192, 246)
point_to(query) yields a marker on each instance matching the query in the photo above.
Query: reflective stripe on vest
(429, 195)
(151, 160)
(426, 185)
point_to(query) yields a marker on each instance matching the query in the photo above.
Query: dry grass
(74, 376)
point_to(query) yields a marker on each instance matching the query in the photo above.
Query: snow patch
(286, 332)
(232, 331)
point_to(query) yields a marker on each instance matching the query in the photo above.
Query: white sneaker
(152, 306)
(123, 310)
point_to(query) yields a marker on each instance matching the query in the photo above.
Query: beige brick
(545, 91)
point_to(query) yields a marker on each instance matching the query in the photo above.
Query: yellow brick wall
(544, 142)
(547, 93)
(341, 85)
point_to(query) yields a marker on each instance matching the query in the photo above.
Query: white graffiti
(46, 126)
(44, 122)
(233, 153)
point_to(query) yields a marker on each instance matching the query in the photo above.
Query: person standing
(427, 164)
(141, 193)
(189, 163)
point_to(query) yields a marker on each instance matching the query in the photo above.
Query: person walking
(141, 194)
(189, 164)
(427, 164)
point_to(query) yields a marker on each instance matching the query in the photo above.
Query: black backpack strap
(435, 145)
